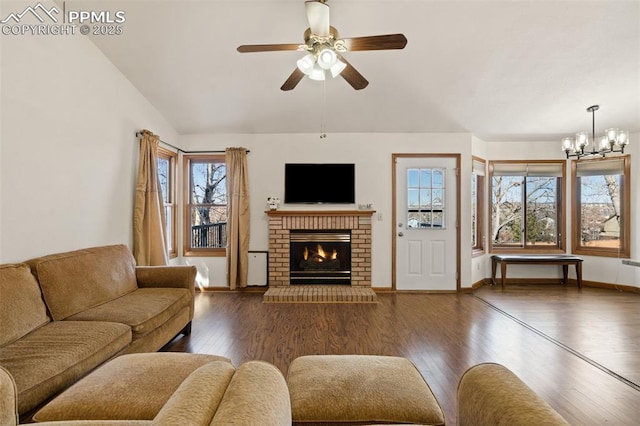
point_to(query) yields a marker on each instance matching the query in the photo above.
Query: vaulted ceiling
(502, 70)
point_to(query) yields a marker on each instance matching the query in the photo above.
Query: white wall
(372, 155)
(69, 151)
(599, 269)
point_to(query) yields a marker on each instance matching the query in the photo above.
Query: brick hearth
(282, 221)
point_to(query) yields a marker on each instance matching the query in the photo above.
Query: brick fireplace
(282, 222)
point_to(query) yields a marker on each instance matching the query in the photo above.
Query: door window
(425, 198)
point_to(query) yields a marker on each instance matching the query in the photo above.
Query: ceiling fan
(324, 49)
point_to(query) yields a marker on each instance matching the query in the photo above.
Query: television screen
(319, 183)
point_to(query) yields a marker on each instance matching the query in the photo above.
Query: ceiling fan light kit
(315, 67)
(614, 140)
(324, 48)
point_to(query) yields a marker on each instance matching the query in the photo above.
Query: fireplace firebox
(320, 257)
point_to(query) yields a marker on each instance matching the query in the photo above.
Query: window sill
(206, 253)
(622, 254)
(518, 250)
(477, 252)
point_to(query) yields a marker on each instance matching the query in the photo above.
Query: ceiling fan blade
(293, 80)
(249, 48)
(353, 77)
(318, 17)
(379, 42)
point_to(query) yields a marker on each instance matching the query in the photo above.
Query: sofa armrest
(196, 400)
(8, 399)
(491, 395)
(166, 276)
(257, 395)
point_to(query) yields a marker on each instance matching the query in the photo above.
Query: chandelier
(613, 140)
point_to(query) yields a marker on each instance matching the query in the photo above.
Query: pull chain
(323, 133)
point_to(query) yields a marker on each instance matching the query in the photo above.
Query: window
(601, 207)
(425, 198)
(205, 205)
(166, 174)
(527, 210)
(477, 206)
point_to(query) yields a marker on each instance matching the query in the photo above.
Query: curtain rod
(138, 134)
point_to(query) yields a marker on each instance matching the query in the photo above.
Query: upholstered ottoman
(360, 389)
(129, 387)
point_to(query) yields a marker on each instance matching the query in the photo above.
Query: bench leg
(579, 273)
(503, 272)
(494, 266)
(565, 274)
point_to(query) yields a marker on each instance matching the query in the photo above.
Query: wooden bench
(536, 259)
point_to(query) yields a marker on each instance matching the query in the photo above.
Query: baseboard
(228, 290)
(383, 289)
(530, 281)
(609, 286)
(478, 284)
(557, 281)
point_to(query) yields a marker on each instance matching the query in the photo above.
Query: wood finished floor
(444, 334)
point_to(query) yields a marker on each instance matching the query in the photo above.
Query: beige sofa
(65, 314)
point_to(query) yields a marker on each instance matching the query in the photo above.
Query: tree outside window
(601, 200)
(206, 205)
(527, 205)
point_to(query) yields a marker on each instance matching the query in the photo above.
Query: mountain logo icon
(39, 11)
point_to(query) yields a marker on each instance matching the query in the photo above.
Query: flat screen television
(319, 183)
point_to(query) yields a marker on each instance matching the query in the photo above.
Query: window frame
(561, 186)
(478, 248)
(624, 251)
(172, 158)
(188, 251)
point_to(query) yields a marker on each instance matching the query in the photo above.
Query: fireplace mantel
(282, 222)
(320, 212)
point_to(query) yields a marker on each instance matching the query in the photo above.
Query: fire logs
(319, 259)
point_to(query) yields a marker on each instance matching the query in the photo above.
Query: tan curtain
(149, 239)
(238, 217)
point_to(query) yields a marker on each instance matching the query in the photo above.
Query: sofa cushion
(54, 356)
(78, 280)
(129, 387)
(143, 310)
(22, 309)
(360, 389)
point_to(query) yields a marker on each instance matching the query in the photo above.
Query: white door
(425, 229)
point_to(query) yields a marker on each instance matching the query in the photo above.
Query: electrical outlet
(379, 216)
